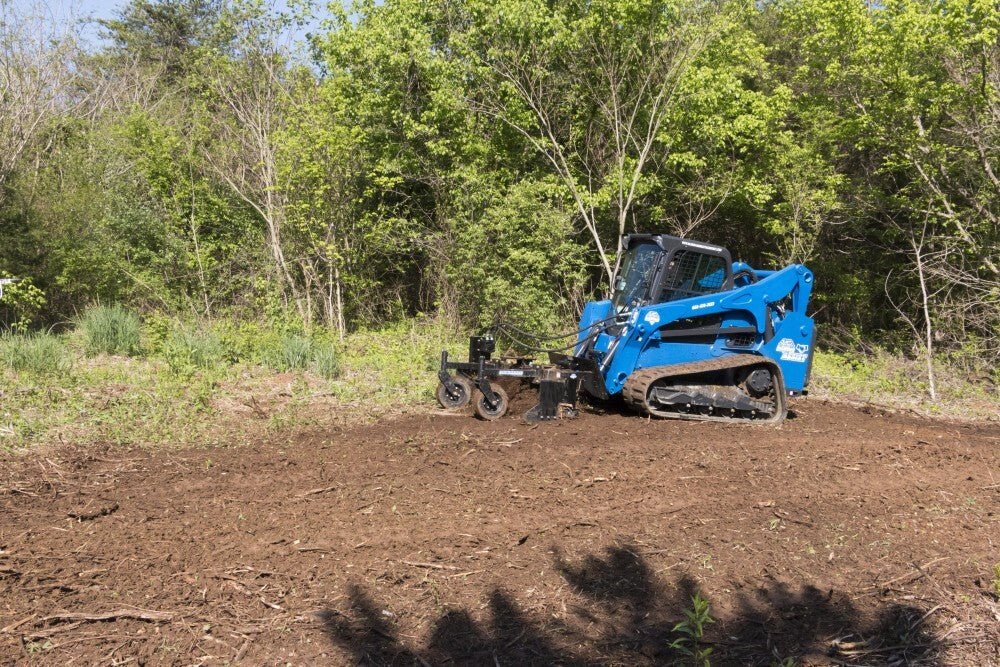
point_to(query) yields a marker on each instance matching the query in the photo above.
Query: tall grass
(42, 354)
(298, 352)
(111, 330)
(292, 352)
(326, 362)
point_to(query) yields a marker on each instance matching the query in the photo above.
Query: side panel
(792, 348)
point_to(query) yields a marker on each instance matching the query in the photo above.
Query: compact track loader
(687, 334)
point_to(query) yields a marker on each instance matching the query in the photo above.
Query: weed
(326, 362)
(111, 330)
(398, 364)
(996, 580)
(38, 647)
(146, 401)
(692, 631)
(41, 354)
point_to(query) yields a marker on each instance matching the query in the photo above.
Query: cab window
(636, 274)
(692, 273)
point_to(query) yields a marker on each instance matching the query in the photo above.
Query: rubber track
(636, 387)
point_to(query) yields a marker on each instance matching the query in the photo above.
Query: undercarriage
(733, 388)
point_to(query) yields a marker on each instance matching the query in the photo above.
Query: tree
(37, 79)
(163, 34)
(247, 89)
(623, 101)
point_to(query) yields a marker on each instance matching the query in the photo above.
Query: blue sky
(81, 10)
(71, 10)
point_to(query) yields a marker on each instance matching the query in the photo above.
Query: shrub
(23, 301)
(34, 353)
(110, 330)
(326, 362)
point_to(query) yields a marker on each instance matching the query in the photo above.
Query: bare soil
(845, 536)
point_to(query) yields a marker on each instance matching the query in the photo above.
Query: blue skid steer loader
(687, 334)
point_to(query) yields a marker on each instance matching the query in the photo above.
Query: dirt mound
(523, 395)
(839, 537)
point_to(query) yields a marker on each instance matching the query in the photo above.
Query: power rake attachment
(477, 381)
(687, 334)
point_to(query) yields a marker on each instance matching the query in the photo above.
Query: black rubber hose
(536, 337)
(532, 348)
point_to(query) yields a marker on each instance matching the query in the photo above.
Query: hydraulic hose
(527, 334)
(532, 348)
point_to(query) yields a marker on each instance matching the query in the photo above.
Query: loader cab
(658, 268)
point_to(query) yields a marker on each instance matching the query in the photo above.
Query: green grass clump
(42, 354)
(886, 377)
(326, 362)
(292, 352)
(193, 348)
(111, 330)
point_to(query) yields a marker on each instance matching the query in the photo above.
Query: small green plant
(996, 580)
(326, 362)
(293, 352)
(110, 330)
(42, 354)
(692, 631)
(193, 348)
(38, 647)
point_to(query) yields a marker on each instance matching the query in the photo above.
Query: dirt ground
(845, 536)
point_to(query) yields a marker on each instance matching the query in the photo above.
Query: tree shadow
(625, 614)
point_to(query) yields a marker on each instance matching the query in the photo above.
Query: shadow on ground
(626, 615)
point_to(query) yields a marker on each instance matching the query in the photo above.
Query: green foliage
(191, 348)
(162, 32)
(146, 401)
(110, 330)
(880, 376)
(40, 354)
(395, 365)
(692, 631)
(518, 261)
(24, 301)
(480, 158)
